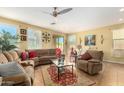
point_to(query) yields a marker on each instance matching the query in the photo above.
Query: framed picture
(46, 37)
(23, 38)
(23, 31)
(90, 40)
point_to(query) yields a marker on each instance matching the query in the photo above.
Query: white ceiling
(79, 19)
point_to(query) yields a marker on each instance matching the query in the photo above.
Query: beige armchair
(92, 66)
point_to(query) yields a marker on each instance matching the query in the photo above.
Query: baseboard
(113, 62)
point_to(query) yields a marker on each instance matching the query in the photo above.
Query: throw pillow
(86, 56)
(32, 54)
(14, 55)
(58, 52)
(24, 56)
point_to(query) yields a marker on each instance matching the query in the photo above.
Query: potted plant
(8, 41)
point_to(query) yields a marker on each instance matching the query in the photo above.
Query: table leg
(58, 73)
(75, 60)
(72, 70)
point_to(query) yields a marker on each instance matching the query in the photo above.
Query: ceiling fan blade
(65, 11)
(46, 13)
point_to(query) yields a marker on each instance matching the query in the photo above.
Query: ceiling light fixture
(122, 10)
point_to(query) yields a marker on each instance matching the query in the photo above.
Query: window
(118, 43)
(34, 39)
(118, 39)
(11, 29)
(72, 39)
(60, 42)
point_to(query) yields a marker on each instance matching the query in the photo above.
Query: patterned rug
(66, 79)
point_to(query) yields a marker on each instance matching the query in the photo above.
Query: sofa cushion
(3, 59)
(8, 56)
(43, 52)
(14, 55)
(52, 52)
(86, 56)
(32, 54)
(47, 57)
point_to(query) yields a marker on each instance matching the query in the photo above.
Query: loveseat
(92, 65)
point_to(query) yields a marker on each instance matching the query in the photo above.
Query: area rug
(66, 79)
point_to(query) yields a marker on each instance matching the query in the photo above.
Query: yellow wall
(22, 25)
(106, 47)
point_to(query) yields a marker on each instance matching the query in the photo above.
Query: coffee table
(61, 66)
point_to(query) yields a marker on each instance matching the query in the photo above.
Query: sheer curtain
(34, 39)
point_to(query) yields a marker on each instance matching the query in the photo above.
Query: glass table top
(61, 63)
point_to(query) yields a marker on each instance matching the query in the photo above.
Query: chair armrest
(13, 73)
(18, 60)
(94, 61)
(18, 79)
(25, 63)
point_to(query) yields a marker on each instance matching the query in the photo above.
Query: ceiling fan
(55, 12)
